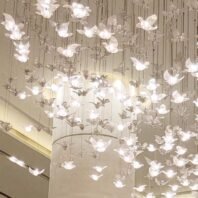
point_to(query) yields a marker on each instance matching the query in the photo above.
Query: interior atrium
(98, 98)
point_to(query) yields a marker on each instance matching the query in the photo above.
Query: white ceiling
(15, 181)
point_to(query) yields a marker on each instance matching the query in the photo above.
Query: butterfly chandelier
(119, 79)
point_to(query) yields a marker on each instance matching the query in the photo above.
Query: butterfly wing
(152, 19)
(166, 75)
(73, 47)
(8, 18)
(64, 26)
(135, 61)
(60, 50)
(114, 41)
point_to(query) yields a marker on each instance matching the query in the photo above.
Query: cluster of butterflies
(149, 106)
(79, 12)
(17, 35)
(180, 166)
(35, 172)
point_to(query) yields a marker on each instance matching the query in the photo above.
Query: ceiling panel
(15, 181)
